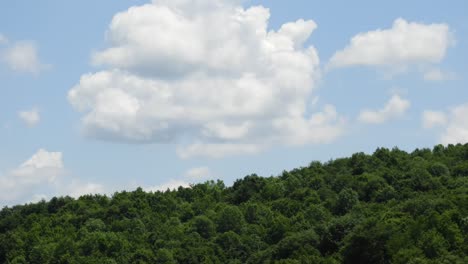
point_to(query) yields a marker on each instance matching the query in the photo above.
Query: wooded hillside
(388, 207)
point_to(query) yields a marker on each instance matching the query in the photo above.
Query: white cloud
(321, 127)
(434, 118)
(30, 117)
(42, 166)
(438, 75)
(404, 44)
(40, 177)
(199, 173)
(23, 57)
(171, 185)
(77, 189)
(456, 130)
(37, 198)
(207, 73)
(196, 174)
(42, 169)
(394, 108)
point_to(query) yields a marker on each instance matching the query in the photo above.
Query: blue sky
(101, 96)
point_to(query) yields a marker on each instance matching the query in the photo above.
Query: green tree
(347, 199)
(204, 226)
(230, 219)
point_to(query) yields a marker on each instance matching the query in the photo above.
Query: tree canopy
(388, 207)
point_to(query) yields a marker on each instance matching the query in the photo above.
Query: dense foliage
(388, 207)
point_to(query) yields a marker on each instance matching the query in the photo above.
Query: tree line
(388, 207)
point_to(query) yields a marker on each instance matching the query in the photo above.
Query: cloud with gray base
(206, 75)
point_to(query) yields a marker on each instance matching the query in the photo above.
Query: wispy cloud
(394, 108)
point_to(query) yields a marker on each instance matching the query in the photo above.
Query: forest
(388, 207)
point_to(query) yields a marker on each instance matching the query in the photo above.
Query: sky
(104, 96)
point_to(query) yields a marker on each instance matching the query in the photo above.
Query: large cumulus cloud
(204, 73)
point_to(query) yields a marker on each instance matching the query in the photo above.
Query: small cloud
(171, 185)
(457, 126)
(23, 57)
(394, 108)
(405, 43)
(42, 166)
(31, 118)
(438, 75)
(77, 189)
(40, 177)
(199, 173)
(453, 122)
(37, 198)
(434, 118)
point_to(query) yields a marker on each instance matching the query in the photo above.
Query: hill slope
(389, 207)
